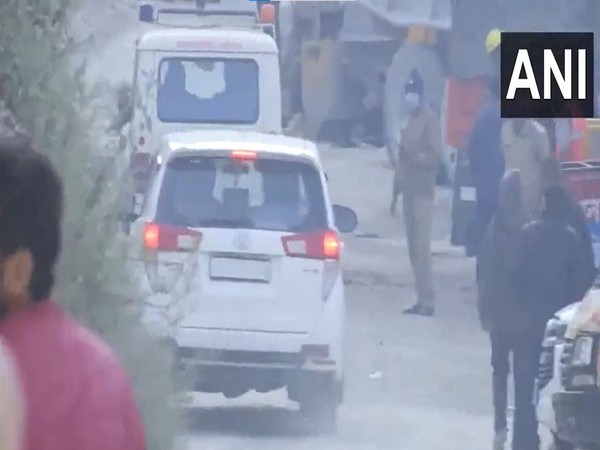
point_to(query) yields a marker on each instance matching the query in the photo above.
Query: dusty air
(349, 225)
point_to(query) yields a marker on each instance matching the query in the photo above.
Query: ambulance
(211, 66)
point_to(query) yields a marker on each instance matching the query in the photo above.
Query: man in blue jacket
(486, 162)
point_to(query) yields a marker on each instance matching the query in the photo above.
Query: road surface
(412, 383)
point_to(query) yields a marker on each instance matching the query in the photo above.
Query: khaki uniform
(527, 152)
(418, 162)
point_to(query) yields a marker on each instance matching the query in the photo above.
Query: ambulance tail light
(140, 161)
(267, 14)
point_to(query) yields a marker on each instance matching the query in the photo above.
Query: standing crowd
(533, 249)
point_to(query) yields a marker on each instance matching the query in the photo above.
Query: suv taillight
(316, 245)
(322, 245)
(169, 255)
(171, 239)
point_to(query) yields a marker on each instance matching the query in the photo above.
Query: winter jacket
(527, 152)
(553, 270)
(77, 395)
(498, 262)
(420, 153)
(486, 163)
(484, 153)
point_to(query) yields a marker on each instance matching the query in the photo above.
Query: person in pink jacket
(76, 394)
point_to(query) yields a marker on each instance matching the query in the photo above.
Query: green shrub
(51, 102)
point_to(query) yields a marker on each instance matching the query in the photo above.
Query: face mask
(412, 101)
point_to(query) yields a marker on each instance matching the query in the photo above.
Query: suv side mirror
(346, 219)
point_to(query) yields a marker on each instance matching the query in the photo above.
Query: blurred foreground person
(487, 165)
(554, 272)
(11, 406)
(418, 161)
(526, 148)
(77, 396)
(499, 308)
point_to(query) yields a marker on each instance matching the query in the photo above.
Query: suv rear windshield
(220, 192)
(208, 90)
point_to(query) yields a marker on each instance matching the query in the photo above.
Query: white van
(207, 70)
(213, 75)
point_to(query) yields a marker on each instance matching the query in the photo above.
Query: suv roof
(175, 39)
(240, 140)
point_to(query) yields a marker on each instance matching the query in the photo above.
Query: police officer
(418, 161)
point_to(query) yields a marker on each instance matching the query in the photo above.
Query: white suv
(241, 257)
(549, 378)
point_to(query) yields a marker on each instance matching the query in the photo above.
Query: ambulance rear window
(208, 90)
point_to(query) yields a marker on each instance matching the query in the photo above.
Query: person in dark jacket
(499, 308)
(553, 273)
(486, 162)
(553, 176)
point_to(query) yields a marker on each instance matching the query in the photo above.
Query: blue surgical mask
(412, 100)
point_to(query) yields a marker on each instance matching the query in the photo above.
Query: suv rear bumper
(190, 359)
(236, 372)
(240, 340)
(257, 349)
(577, 417)
(234, 381)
